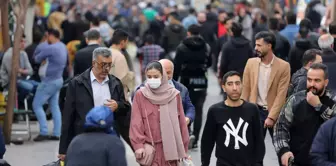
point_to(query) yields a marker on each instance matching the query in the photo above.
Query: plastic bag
(55, 163)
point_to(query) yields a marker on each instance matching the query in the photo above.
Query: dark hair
(155, 65)
(192, 11)
(268, 37)
(230, 74)
(194, 29)
(149, 4)
(208, 7)
(93, 34)
(291, 18)
(54, 32)
(227, 19)
(306, 23)
(236, 29)
(149, 39)
(273, 23)
(332, 28)
(303, 31)
(95, 21)
(321, 66)
(263, 18)
(175, 15)
(37, 36)
(310, 55)
(118, 36)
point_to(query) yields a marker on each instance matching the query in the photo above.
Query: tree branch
(15, 10)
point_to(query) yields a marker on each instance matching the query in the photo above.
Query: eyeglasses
(104, 65)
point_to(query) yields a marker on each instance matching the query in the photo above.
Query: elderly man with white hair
(326, 43)
(189, 109)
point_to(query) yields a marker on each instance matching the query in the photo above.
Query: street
(37, 154)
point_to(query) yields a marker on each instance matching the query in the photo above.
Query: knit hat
(100, 117)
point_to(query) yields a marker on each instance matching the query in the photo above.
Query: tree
(20, 9)
(5, 25)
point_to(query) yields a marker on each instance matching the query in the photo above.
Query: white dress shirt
(101, 91)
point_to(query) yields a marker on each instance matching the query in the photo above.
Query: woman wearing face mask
(158, 118)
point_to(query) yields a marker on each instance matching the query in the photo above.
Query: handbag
(147, 160)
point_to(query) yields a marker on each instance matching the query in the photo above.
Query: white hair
(101, 51)
(325, 41)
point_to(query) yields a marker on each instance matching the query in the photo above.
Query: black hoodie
(296, 54)
(235, 54)
(192, 59)
(172, 36)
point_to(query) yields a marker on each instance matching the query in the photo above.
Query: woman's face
(153, 73)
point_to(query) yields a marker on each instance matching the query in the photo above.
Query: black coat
(329, 59)
(83, 59)
(79, 101)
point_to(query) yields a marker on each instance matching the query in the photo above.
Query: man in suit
(94, 87)
(83, 58)
(266, 80)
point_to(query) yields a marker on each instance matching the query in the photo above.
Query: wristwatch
(318, 107)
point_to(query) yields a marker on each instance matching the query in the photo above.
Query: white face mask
(154, 82)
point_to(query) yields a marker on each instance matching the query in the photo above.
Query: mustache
(313, 89)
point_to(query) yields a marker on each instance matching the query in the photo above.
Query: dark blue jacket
(188, 107)
(323, 150)
(2, 144)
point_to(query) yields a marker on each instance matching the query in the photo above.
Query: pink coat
(139, 132)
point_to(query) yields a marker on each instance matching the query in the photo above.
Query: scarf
(165, 96)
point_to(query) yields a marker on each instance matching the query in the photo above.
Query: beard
(234, 98)
(260, 54)
(315, 91)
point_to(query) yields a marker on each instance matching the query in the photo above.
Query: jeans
(263, 116)
(48, 92)
(197, 99)
(25, 87)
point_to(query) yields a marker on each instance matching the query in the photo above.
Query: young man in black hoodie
(191, 62)
(234, 126)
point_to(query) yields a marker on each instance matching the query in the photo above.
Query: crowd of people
(275, 75)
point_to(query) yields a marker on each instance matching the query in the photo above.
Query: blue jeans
(25, 87)
(48, 92)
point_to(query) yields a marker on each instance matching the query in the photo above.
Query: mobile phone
(291, 161)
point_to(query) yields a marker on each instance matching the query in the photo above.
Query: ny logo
(234, 132)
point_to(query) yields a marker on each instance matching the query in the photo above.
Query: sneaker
(54, 138)
(191, 142)
(40, 138)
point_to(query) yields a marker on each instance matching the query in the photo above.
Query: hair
(175, 15)
(118, 36)
(321, 66)
(149, 5)
(230, 74)
(325, 43)
(227, 19)
(194, 29)
(310, 55)
(273, 23)
(95, 21)
(101, 51)
(93, 34)
(37, 36)
(149, 39)
(54, 32)
(263, 18)
(192, 11)
(291, 18)
(332, 28)
(236, 29)
(268, 37)
(155, 65)
(208, 7)
(303, 31)
(306, 23)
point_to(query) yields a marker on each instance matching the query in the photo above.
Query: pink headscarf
(165, 96)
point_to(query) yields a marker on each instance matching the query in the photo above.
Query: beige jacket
(277, 84)
(121, 71)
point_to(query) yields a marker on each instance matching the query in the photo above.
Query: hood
(194, 43)
(240, 41)
(176, 28)
(303, 44)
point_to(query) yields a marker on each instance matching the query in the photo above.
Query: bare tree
(20, 9)
(5, 25)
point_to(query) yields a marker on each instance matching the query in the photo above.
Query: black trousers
(263, 116)
(197, 99)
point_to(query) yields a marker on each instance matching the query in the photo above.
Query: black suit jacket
(79, 101)
(83, 59)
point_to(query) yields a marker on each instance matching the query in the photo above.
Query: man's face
(123, 44)
(316, 82)
(242, 12)
(233, 87)
(50, 38)
(23, 43)
(102, 66)
(169, 71)
(262, 48)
